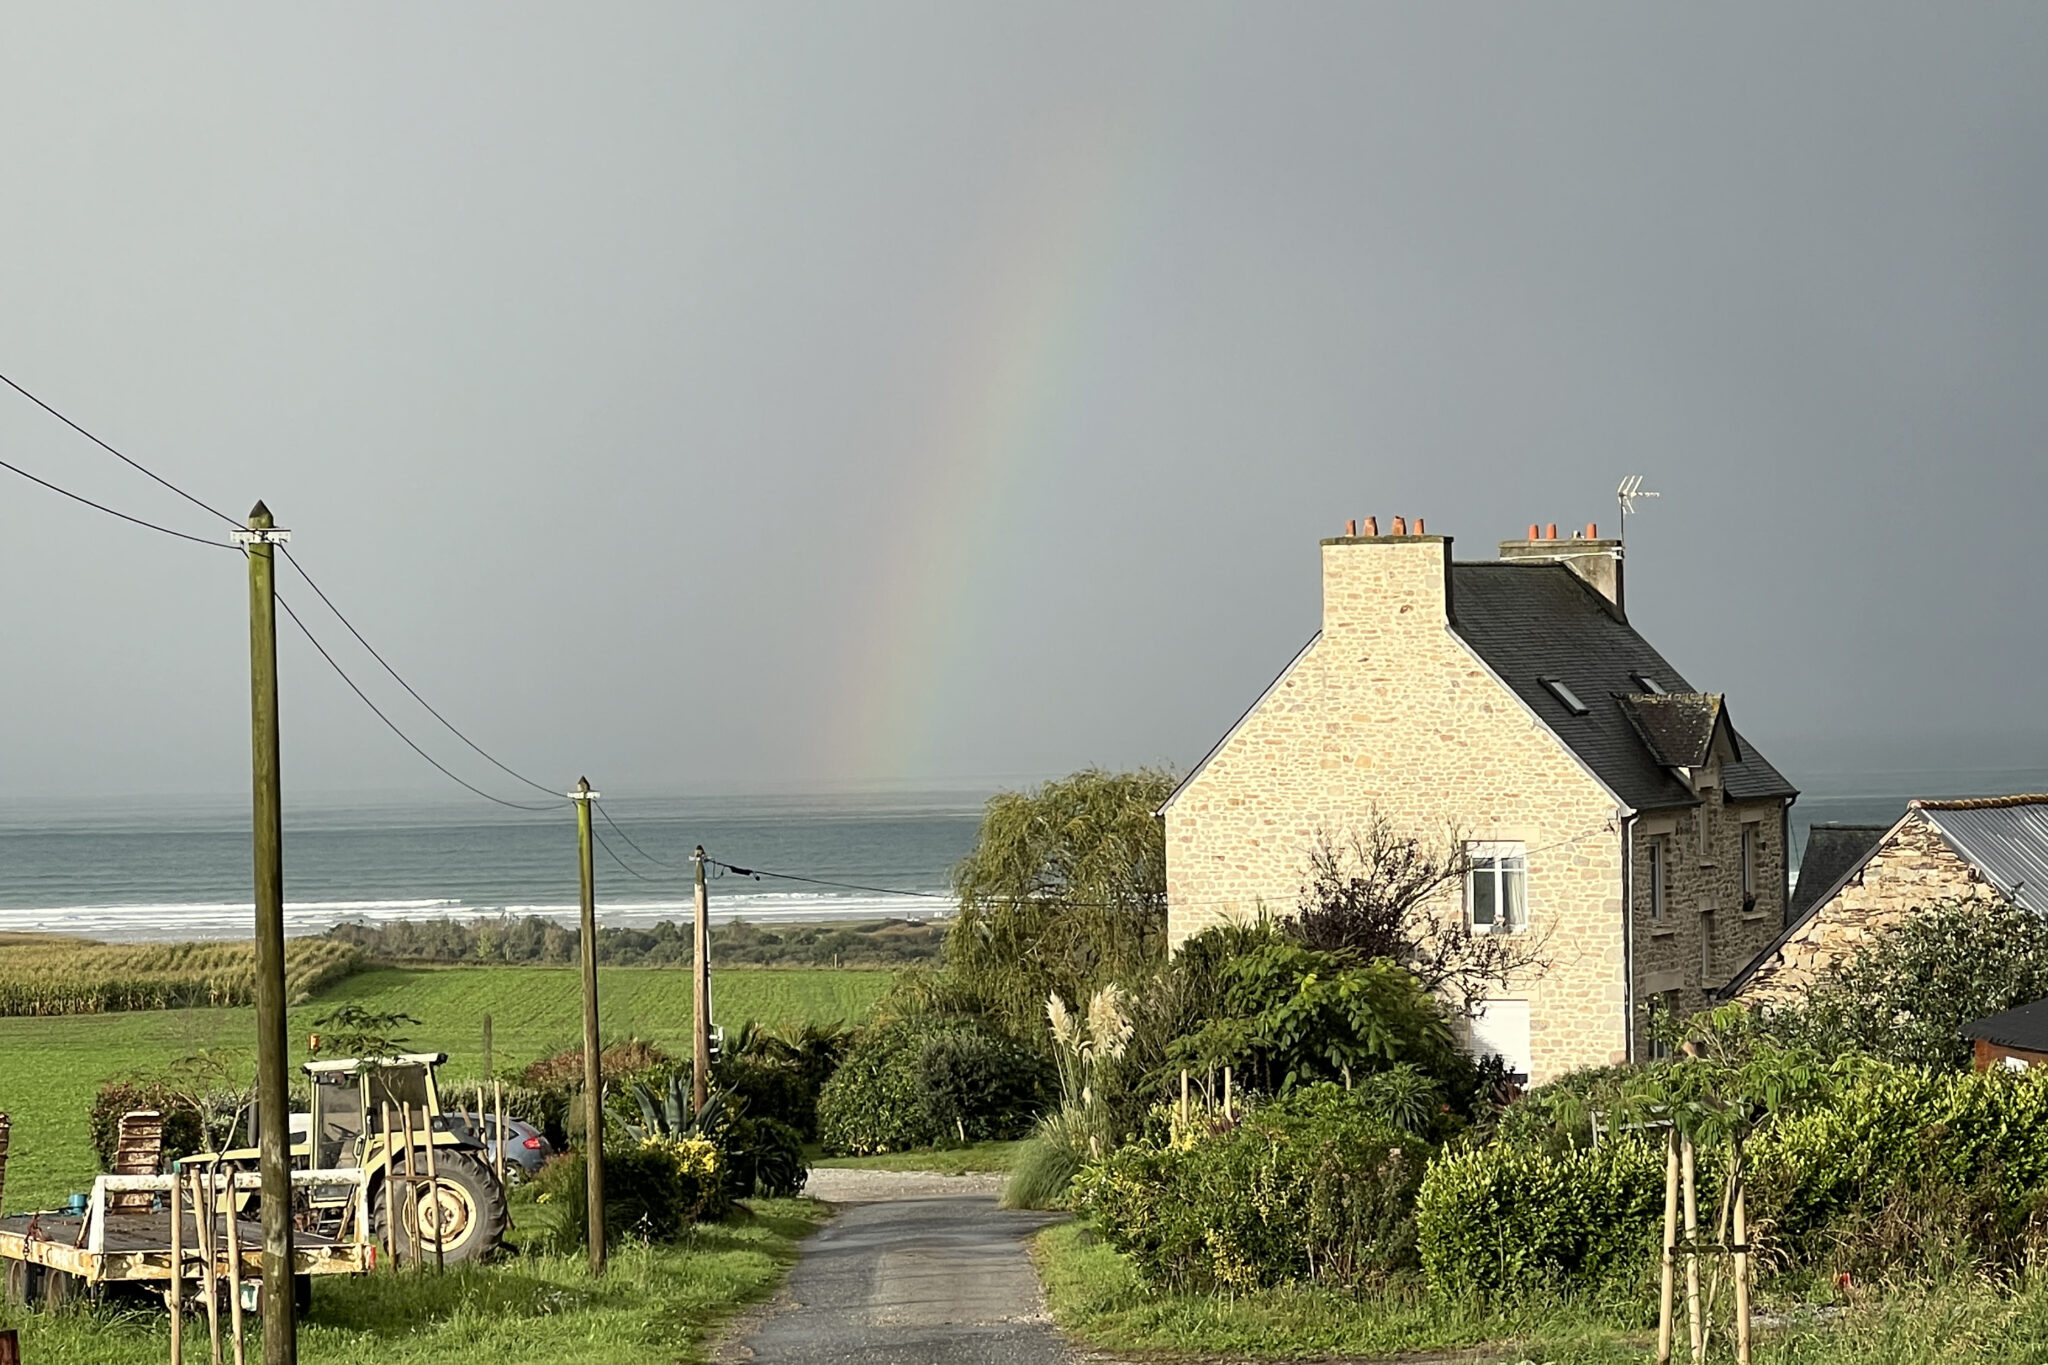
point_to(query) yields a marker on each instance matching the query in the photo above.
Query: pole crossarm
(260, 535)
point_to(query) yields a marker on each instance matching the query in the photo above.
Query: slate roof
(1832, 853)
(2024, 1026)
(2005, 836)
(1679, 726)
(1530, 622)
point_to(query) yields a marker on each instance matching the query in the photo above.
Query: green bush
(1314, 1188)
(929, 1081)
(653, 1190)
(1847, 1182)
(762, 1156)
(184, 1132)
(1500, 1220)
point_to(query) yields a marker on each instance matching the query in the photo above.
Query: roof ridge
(1978, 802)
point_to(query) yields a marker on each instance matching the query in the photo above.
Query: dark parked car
(526, 1150)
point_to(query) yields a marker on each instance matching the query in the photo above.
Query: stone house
(1610, 809)
(1975, 849)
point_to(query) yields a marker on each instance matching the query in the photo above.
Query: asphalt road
(933, 1280)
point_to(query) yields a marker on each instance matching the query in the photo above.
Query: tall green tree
(1064, 892)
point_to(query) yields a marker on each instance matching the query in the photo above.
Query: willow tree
(1065, 891)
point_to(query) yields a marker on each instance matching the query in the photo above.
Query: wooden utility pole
(593, 1074)
(273, 1096)
(700, 983)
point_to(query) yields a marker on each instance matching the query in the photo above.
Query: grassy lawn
(1095, 1296)
(654, 1304)
(50, 1067)
(978, 1156)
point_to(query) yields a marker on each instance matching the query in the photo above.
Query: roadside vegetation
(532, 940)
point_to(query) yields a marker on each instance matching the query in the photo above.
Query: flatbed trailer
(105, 1245)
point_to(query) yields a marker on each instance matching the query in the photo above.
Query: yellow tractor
(427, 1169)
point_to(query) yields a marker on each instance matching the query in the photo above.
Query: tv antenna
(1631, 489)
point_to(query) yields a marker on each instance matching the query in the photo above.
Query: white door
(1501, 1029)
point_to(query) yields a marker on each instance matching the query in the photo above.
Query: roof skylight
(1648, 684)
(1566, 695)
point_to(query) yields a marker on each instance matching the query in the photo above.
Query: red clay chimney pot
(1553, 532)
(1372, 526)
(1351, 527)
(1535, 531)
(1592, 531)
(1418, 526)
(1400, 527)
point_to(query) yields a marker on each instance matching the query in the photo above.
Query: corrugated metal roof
(2005, 836)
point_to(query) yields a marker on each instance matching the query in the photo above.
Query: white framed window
(1497, 888)
(1752, 856)
(1658, 855)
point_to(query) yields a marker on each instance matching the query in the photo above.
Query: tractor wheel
(466, 1204)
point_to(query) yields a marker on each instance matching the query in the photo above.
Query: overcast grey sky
(778, 395)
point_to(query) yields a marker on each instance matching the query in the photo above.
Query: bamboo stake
(1740, 1180)
(1665, 1277)
(498, 1103)
(412, 1183)
(433, 1189)
(1227, 1111)
(234, 1272)
(176, 1293)
(209, 1272)
(390, 1193)
(1692, 1255)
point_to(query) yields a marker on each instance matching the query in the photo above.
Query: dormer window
(1564, 694)
(1648, 684)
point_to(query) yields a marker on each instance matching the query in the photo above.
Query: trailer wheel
(22, 1283)
(60, 1288)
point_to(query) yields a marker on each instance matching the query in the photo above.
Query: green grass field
(50, 1067)
(655, 1304)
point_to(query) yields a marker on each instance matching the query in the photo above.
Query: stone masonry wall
(1390, 710)
(1912, 869)
(1705, 936)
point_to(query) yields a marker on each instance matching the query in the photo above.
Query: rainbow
(1023, 340)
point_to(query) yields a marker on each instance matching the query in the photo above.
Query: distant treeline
(532, 939)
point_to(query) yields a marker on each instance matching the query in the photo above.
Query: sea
(164, 868)
(180, 868)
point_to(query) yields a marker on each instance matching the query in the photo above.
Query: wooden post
(700, 992)
(175, 1296)
(1692, 1256)
(496, 1123)
(10, 1347)
(1666, 1273)
(498, 1105)
(1739, 1179)
(274, 1139)
(593, 1057)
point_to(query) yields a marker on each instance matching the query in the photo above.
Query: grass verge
(52, 1066)
(655, 1303)
(973, 1158)
(1095, 1296)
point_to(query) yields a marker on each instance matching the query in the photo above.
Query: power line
(629, 841)
(615, 857)
(102, 507)
(413, 692)
(758, 873)
(133, 464)
(388, 723)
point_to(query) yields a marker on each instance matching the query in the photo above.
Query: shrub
(927, 1081)
(762, 1156)
(653, 1190)
(1316, 1187)
(184, 1130)
(1502, 1220)
(554, 1084)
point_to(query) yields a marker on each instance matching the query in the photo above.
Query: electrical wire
(133, 464)
(410, 689)
(599, 836)
(620, 831)
(389, 724)
(102, 507)
(758, 873)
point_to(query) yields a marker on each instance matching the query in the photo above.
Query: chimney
(1386, 587)
(1595, 560)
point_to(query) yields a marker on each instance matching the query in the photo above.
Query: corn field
(46, 978)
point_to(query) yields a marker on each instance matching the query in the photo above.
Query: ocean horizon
(168, 868)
